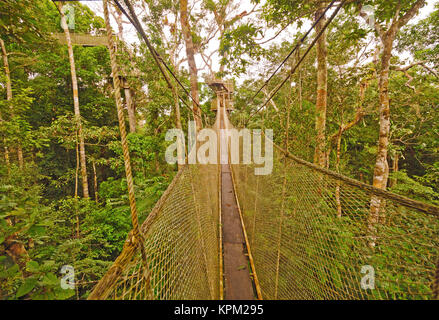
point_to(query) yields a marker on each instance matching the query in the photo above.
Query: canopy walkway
(307, 232)
(302, 232)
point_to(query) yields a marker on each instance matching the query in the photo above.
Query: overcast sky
(245, 5)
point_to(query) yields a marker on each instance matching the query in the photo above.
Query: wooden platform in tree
(81, 39)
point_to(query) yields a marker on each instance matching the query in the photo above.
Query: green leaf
(37, 230)
(12, 271)
(26, 287)
(62, 294)
(50, 279)
(32, 266)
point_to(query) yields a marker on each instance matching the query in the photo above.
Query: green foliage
(57, 229)
(413, 188)
(54, 227)
(240, 46)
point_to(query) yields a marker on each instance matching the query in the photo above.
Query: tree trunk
(8, 164)
(16, 250)
(337, 168)
(381, 165)
(126, 86)
(322, 86)
(190, 52)
(76, 187)
(178, 124)
(95, 180)
(76, 104)
(224, 54)
(130, 106)
(9, 98)
(381, 170)
(395, 169)
(13, 247)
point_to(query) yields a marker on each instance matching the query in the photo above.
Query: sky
(244, 5)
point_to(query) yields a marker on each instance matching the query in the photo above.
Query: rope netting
(313, 235)
(181, 243)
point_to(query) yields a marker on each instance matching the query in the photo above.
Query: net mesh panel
(181, 244)
(311, 234)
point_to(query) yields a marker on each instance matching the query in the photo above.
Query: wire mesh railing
(313, 235)
(181, 243)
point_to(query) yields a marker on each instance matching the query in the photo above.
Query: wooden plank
(238, 283)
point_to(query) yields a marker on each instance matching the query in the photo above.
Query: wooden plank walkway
(238, 284)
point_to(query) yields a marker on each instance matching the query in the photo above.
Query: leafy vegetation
(46, 223)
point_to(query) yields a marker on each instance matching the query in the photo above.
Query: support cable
(132, 17)
(301, 41)
(279, 86)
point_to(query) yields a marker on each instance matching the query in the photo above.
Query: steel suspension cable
(132, 17)
(294, 49)
(279, 86)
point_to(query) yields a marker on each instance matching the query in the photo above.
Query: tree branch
(411, 13)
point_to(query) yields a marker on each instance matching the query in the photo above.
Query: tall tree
(403, 12)
(9, 98)
(296, 11)
(117, 15)
(322, 89)
(75, 102)
(390, 19)
(6, 149)
(190, 52)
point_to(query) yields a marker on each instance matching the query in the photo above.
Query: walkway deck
(238, 284)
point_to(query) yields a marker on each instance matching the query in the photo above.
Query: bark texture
(190, 52)
(76, 104)
(381, 170)
(9, 98)
(127, 90)
(16, 250)
(322, 91)
(130, 106)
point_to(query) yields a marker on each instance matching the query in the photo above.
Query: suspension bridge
(303, 232)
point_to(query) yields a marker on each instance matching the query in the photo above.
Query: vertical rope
(123, 135)
(255, 209)
(220, 231)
